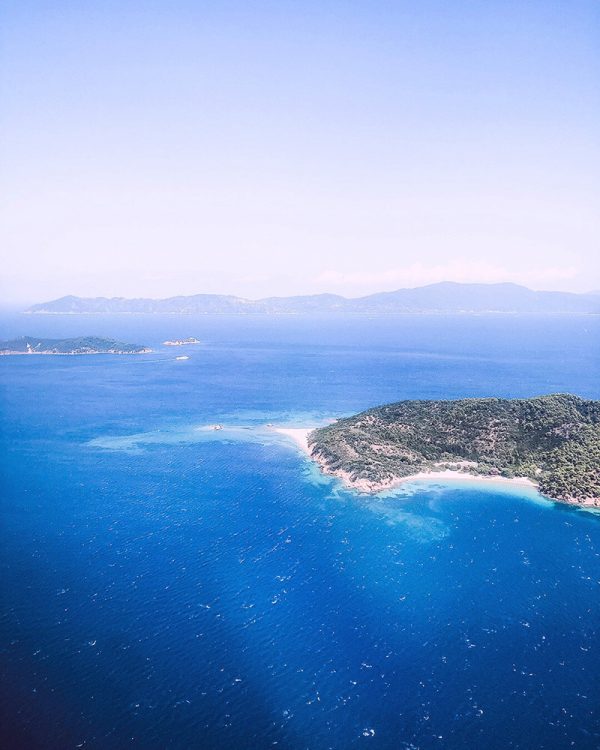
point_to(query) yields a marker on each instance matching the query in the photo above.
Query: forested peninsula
(552, 440)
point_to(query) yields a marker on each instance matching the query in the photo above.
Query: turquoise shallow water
(168, 586)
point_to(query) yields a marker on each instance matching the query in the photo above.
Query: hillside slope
(553, 440)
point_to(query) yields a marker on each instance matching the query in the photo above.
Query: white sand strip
(463, 476)
(298, 434)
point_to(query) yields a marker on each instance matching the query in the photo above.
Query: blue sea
(165, 585)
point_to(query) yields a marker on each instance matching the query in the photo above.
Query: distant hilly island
(445, 297)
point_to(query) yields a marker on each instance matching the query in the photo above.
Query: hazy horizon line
(16, 304)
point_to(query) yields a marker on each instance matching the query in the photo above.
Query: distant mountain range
(445, 297)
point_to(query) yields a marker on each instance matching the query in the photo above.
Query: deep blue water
(165, 586)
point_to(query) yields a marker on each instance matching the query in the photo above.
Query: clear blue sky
(293, 147)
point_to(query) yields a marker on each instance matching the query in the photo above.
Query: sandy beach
(452, 475)
(443, 476)
(298, 434)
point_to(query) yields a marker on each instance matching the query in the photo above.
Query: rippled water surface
(168, 586)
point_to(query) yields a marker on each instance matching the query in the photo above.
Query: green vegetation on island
(553, 440)
(80, 345)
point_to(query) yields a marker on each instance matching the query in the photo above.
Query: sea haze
(165, 585)
(445, 297)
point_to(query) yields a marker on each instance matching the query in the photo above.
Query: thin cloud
(419, 274)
